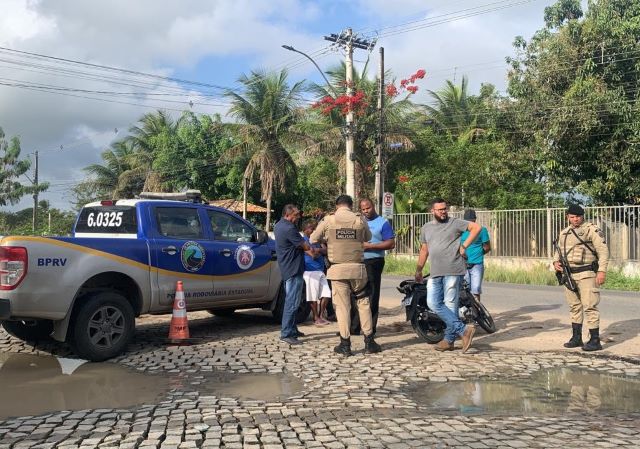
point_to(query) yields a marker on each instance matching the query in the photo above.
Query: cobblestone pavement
(355, 402)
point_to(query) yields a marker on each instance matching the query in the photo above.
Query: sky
(195, 49)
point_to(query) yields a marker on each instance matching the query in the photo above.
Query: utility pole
(347, 40)
(350, 144)
(379, 187)
(35, 197)
(244, 197)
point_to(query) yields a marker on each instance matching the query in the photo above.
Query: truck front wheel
(103, 326)
(29, 330)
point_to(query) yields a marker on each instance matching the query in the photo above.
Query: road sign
(387, 205)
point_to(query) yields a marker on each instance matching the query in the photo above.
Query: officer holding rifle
(581, 263)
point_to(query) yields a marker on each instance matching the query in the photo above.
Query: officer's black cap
(575, 209)
(469, 214)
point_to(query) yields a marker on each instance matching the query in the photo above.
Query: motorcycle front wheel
(430, 329)
(483, 317)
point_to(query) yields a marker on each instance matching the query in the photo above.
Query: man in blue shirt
(290, 248)
(475, 255)
(383, 238)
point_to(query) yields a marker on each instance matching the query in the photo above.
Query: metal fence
(530, 232)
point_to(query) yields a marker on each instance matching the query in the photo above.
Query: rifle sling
(581, 241)
(592, 266)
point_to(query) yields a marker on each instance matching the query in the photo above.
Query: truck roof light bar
(192, 196)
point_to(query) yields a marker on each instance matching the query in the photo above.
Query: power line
(16, 83)
(94, 98)
(54, 89)
(58, 65)
(454, 16)
(115, 69)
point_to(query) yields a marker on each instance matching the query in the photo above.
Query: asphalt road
(537, 317)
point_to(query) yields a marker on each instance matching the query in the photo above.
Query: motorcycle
(427, 324)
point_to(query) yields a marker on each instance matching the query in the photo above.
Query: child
(317, 287)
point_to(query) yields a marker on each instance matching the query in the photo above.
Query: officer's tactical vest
(577, 253)
(344, 235)
(579, 256)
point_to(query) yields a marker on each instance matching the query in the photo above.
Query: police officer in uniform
(344, 232)
(585, 249)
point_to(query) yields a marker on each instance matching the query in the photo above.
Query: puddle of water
(33, 385)
(261, 387)
(556, 390)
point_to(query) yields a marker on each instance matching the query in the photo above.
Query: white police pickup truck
(123, 261)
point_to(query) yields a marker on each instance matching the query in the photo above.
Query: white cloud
(474, 46)
(19, 21)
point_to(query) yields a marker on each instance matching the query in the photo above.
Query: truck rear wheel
(29, 330)
(103, 326)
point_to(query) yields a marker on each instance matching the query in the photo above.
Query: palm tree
(457, 113)
(155, 129)
(107, 177)
(266, 111)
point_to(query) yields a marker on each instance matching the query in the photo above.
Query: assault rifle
(564, 276)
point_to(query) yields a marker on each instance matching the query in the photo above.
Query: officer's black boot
(344, 347)
(576, 339)
(594, 342)
(370, 345)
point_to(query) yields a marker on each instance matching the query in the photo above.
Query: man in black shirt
(290, 247)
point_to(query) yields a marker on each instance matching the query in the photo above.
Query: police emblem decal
(192, 256)
(244, 257)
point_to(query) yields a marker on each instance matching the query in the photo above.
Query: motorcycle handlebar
(409, 285)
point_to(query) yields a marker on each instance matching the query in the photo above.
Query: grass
(538, 275)
(535, 276)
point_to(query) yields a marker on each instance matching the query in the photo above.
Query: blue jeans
(442, 298)
(293, 293)
(474, 276)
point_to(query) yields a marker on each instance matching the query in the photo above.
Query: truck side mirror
(262, 237)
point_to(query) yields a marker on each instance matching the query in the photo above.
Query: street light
(290, 48)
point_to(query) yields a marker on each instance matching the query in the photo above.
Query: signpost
(387, 205)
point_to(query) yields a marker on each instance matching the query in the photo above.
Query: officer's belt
(581, 269)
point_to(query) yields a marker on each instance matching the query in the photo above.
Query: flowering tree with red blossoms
(406, 85)
(336, 101)
(343, 103)
(358, 103)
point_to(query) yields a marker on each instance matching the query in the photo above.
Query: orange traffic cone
(179, 327)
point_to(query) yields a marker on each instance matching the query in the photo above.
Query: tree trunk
(266, 226)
